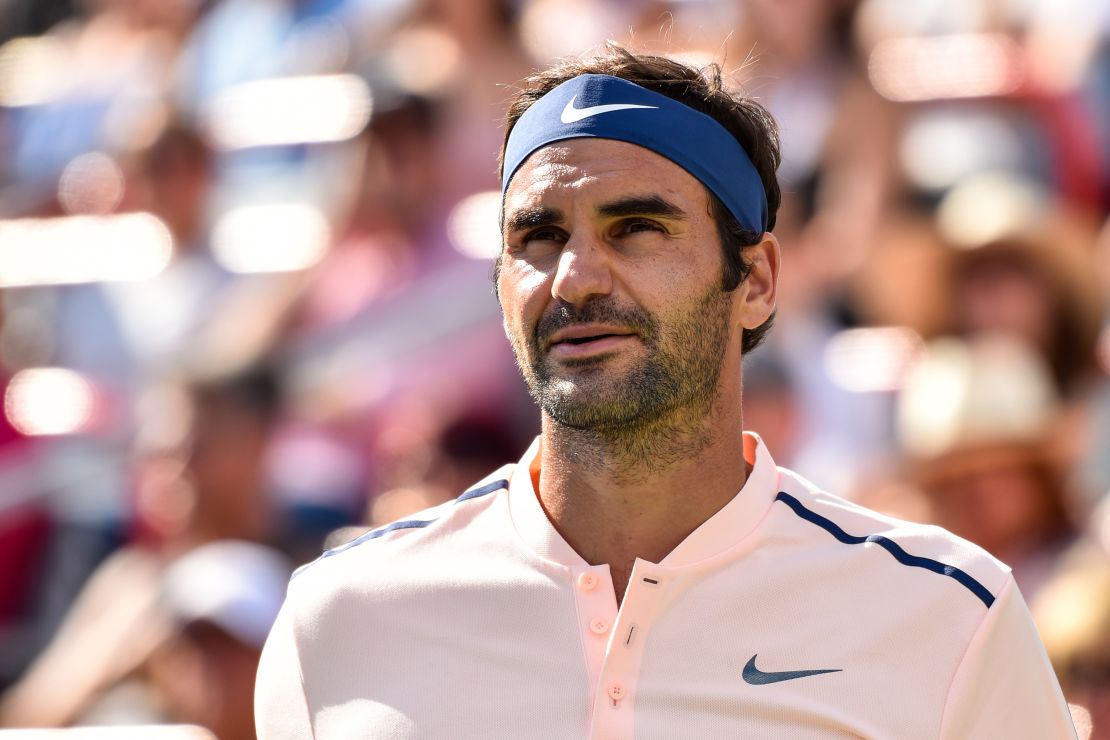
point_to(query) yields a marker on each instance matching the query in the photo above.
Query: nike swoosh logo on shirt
(571, 114)
(757, 677)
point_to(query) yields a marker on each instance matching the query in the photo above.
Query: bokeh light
(957, 66)
(92, 183)
(49, 401)
(274, 237)
(989, 206)
(83, 249)
(423, 60)
(289, 110)
(32, 71)
(941, 147)
(871, 359)
(473, 225)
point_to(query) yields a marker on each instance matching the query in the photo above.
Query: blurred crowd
(246, 309)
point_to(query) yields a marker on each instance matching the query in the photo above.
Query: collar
(720, 532)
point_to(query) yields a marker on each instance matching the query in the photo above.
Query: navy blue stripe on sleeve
(890, 546)
(496, 485)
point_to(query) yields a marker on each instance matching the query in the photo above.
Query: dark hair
(255, 389)
(703, 90)
(178, 146)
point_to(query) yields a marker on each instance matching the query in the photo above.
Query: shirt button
(616, 692)
(587, 581)
(598, 626)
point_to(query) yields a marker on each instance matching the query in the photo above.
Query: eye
(545, 234)
(537, 242)
(637, 226)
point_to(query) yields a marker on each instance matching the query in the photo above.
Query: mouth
(577, 342)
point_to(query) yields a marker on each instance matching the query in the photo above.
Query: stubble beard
(637, 421)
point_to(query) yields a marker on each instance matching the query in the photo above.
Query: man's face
(610, 284)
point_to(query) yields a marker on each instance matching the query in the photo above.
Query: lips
(580, 340)
(585, 333)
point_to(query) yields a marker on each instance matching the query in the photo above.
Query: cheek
(523, 293)
(672, 285)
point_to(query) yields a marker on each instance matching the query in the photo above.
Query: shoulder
(929, 548)
(405, 540)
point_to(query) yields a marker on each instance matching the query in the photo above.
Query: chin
(589, 406)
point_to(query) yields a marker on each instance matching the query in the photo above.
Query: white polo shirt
(789, 614)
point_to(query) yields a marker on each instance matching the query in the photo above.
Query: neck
(637, 492)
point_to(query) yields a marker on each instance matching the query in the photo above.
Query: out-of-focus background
(246, 311)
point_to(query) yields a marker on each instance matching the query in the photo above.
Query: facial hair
(644, 417)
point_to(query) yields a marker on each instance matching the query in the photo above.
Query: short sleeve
(1005, 685)
(280, 706)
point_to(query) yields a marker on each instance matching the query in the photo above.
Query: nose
(583, 271)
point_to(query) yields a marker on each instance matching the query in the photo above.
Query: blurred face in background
(206, 677)
(1004, 500)
(401, 175)
(176, 176)
(226, 466)
(1001, 295)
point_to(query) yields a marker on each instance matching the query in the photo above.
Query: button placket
(616, 690)
(597, 612)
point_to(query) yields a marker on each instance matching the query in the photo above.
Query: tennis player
(646, 570)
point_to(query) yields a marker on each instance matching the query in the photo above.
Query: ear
(756, 295)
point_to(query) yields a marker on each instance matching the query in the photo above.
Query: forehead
(601, 168)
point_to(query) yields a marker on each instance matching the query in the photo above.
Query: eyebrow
(529, 218)
(641, 205)
(632, 205)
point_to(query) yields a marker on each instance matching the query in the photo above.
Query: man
(635, 575)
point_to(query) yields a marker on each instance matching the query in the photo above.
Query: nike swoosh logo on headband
(571, 114)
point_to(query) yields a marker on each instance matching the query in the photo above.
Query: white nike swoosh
(571, 114)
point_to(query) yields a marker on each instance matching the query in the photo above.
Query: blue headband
(611, 108)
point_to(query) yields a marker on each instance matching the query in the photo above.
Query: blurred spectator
(224, 598)
(93, 82)
(32, 19)
(120, 337)
(976, 420)
(138, 331)
(1006, 287)
(1073, 617)
(215, 491)
(25, 525)
(1029, 277)
(432, 471)
(182, 647)
(800, 60)
(1023, 265)
(385, 238)
(232, 423)
(428, 466)
(464, 54)
(238, 41)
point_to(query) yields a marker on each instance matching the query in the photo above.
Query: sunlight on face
(611, 286)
